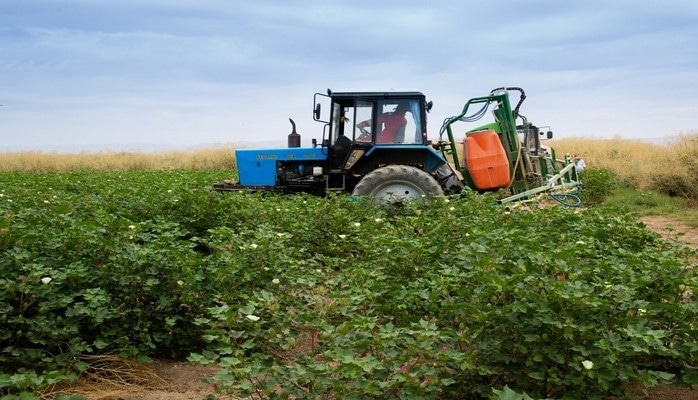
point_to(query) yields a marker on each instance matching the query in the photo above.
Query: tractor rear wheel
(396, 184)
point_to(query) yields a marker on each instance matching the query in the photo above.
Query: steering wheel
(365, 135)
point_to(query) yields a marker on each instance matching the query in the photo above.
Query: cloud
(81, 71)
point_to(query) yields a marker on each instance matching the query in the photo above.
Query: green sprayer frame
(533, 172)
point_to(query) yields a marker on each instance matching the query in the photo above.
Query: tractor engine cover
(258, 167)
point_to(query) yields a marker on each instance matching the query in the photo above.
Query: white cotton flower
(2, 195)
(275, 281)
(641, 311)
(46, 280)
(132, 227)
(446, 200)
(452, 209)
(180, 283)
(253, 246)
(588, 364)
(357, 224)
(278, 210)
(342, 237)
(252, 318)
(46, 201)
(169, 190)
(378, 220)
(580, 242)
(280, 234)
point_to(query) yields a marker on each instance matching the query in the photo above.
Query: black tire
(397, 183)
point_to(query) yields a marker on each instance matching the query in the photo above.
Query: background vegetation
(37, 161)
(667, 169)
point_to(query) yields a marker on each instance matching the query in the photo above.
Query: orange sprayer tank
(486, 160)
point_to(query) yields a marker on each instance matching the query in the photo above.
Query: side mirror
(430, 104)
(549, 134)
(317, 110)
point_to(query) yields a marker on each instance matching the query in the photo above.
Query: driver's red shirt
(391, 124)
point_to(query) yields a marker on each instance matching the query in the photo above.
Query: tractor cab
(374, 118)
(538, 158)
(379, 120)
(365, 131)
(531, 137)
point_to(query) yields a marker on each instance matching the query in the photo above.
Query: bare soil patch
(160, 380)
(185, 382)
(672, 230)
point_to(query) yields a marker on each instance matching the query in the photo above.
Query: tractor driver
(393, 123)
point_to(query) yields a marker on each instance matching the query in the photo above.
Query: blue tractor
(375, 145)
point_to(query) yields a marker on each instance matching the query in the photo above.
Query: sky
(80, 75)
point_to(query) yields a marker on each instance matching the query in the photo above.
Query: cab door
(348, 139)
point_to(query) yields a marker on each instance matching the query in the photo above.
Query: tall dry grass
(36, 161)
(636, 163)
(669, 168)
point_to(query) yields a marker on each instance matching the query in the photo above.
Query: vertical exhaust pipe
(294, 139)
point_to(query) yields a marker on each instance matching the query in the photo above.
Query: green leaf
(6, 380)
(248, 309)
(508, 394)
(229, 361)
(448, 381)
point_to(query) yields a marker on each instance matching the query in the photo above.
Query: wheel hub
(397, 192)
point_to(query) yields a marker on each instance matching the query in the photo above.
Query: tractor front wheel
(397, 183)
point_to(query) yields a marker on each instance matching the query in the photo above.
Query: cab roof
(375, 94)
